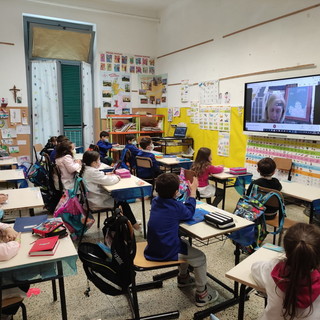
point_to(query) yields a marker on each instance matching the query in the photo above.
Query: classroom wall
(288, 42)
(113, 33)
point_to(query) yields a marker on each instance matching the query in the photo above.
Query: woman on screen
(275, 109)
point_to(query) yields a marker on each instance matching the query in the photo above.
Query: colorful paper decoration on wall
(153, 90)
(115, 93)
(304, 154)
(127, 63)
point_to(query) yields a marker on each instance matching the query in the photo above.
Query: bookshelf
(138, 124)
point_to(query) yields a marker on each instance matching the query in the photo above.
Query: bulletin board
(15, 132)
(210, 138)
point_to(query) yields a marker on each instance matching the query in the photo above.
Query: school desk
(204, 232)
(241, 273)
(172, 162)
(301, 192)
(8, 161)
(225, 176)
(25, 198)
(131, 188)
(36, 269)
(11, 174)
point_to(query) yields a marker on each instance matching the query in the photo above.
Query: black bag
(219, 220)
(111, 276)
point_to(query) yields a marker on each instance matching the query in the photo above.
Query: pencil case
(123, 173)
(238, 170)
(219, 220)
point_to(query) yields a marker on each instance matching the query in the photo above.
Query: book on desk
(44, 247)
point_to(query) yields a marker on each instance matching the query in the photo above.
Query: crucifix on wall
(14, 91)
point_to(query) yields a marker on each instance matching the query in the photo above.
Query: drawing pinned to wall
(7, 141)
(170, 114)
(176, 112)
(215, 118)
(15, 115)
(227, 97)
(223, 144)
(153, 90)
(209, 92)
(21, 129)
(14, 149)
(185, 91)
(3, 123)
(8, 133)
(116, 92)
(121, 62)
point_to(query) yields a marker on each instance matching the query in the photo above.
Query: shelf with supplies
(138, 124)
(184, 146)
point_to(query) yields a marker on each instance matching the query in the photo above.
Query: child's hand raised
(193, 187)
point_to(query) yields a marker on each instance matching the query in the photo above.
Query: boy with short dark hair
(147, 148)
(267, 168)
(164, 243)
(104, 146)
(131, 145)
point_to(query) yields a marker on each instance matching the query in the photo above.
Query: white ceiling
(143, 8)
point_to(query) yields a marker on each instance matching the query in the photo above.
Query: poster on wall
(209, 92)
(223, 144)
(153, 90)
(127, 63)
(185, 91)
(115, 93)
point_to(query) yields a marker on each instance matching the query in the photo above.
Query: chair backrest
(273, 201)
(144, 162)
(284, 164)
(37, 149)
(189, 174)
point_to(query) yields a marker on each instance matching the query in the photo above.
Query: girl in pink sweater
(203, 168)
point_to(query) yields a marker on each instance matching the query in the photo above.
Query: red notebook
(44, 246)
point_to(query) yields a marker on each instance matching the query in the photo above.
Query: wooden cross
(14, 91)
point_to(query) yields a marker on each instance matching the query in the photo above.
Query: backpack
(41, 175)
(111, 273)
(253, 208)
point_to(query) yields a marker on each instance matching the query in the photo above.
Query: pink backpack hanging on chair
(72, 212)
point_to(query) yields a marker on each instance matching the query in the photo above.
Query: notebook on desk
(179, 132)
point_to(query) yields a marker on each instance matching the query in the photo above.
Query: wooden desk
(66, 253)
(241, 273)
(10, 161)
(224, 177)
(302, 192)
(26, 198)
(203, 231)
(13, 174)
(175, 162)
(132, 188)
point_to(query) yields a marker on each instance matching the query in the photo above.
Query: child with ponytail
(203, 168)
(95, 179)
(293, 284)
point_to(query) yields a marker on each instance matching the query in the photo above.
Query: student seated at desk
(164, 243)
(50, 145)
(293, 284)
(131, 144)
(104, 147)
(147, 146)
(9, 247)
(53, 153)
(267, 168)
(67, 164)
(203, 168)
(95, 179)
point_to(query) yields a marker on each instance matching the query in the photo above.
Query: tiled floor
(100, 306)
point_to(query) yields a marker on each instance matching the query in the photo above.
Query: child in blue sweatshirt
(164, 243)
(104, 147)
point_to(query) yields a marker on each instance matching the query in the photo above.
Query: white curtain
(45, 103)
(87, 104)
